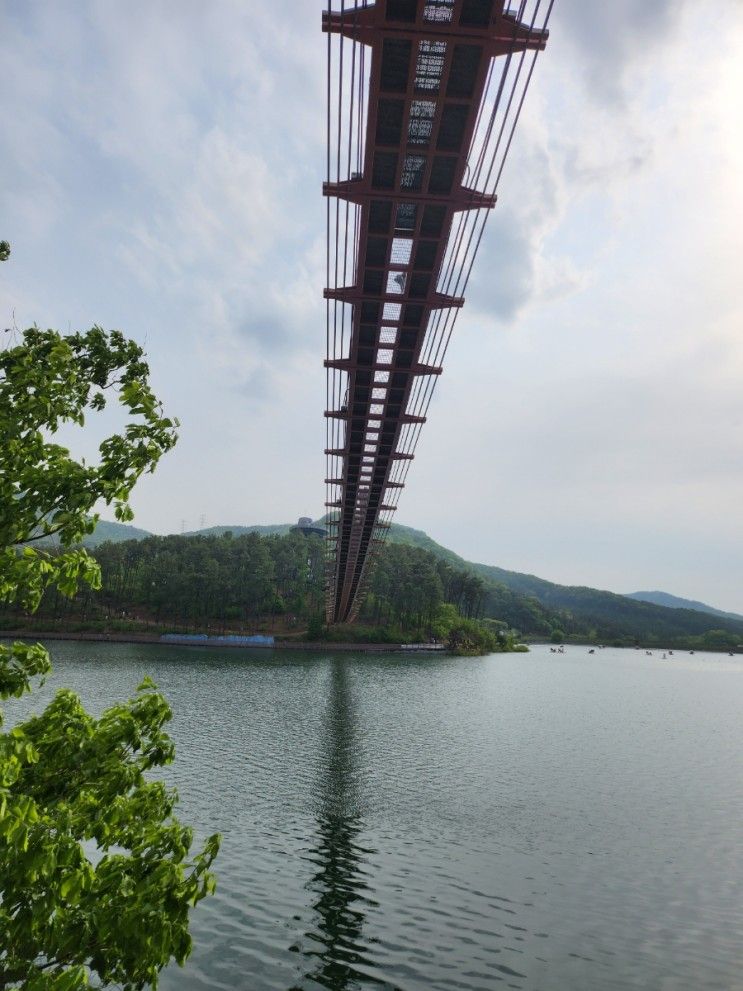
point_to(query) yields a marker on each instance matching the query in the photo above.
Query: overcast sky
(161, 173)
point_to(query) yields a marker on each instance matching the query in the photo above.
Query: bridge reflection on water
(335, 946)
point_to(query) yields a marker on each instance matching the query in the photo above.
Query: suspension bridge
(423, 98)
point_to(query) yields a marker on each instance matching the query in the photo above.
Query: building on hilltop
(306, 527)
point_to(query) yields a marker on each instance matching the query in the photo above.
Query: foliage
(70, 779)
(409, 584)
(95, 875)
(720, 639)
(316, 626)
(536, 606)
(48, 380)
(523, 602)
(213, 582)
(471, 636)
(250, 581)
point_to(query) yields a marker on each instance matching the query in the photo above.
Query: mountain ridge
(670, 601)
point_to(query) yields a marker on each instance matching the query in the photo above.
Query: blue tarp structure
(256, 638)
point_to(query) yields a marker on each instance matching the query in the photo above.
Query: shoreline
(312, 645)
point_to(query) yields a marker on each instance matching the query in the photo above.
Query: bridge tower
(423, 97)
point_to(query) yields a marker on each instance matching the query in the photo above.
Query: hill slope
(267, 530)
(676, 602)
(115, 533)
(578, 609)
(107, 530)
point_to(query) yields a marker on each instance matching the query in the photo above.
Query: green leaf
(70, 782)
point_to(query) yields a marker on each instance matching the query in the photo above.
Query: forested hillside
(171, 579)
(270, 583)
(581, 611)
(256, 582)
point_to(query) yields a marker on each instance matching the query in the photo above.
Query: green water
(531, 821)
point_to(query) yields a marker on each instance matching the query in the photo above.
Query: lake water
(531, 821)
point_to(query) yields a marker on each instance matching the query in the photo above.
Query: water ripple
(416, 824)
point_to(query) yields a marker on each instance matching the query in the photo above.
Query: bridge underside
(423, 98)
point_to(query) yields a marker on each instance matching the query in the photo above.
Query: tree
(719, 639)
(45, 381)
(68, 781)
(315, 627)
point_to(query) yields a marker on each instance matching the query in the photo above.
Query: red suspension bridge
(423, 100)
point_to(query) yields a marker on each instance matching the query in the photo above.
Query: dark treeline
(216, 582)
(252, 582)
(408, 586)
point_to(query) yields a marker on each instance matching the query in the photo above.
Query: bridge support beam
(411, 176)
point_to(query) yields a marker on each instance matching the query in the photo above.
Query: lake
(530, 821)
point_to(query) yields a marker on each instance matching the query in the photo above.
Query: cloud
(513, 267)
(183, 139)
(608, 95)
(612, 38)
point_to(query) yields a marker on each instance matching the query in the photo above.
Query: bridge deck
(419, 124)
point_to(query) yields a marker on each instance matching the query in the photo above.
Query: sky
(162, 165)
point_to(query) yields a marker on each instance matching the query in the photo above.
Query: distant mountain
(675, 602)
(267, 530)
(107, 530)
(115, 533)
